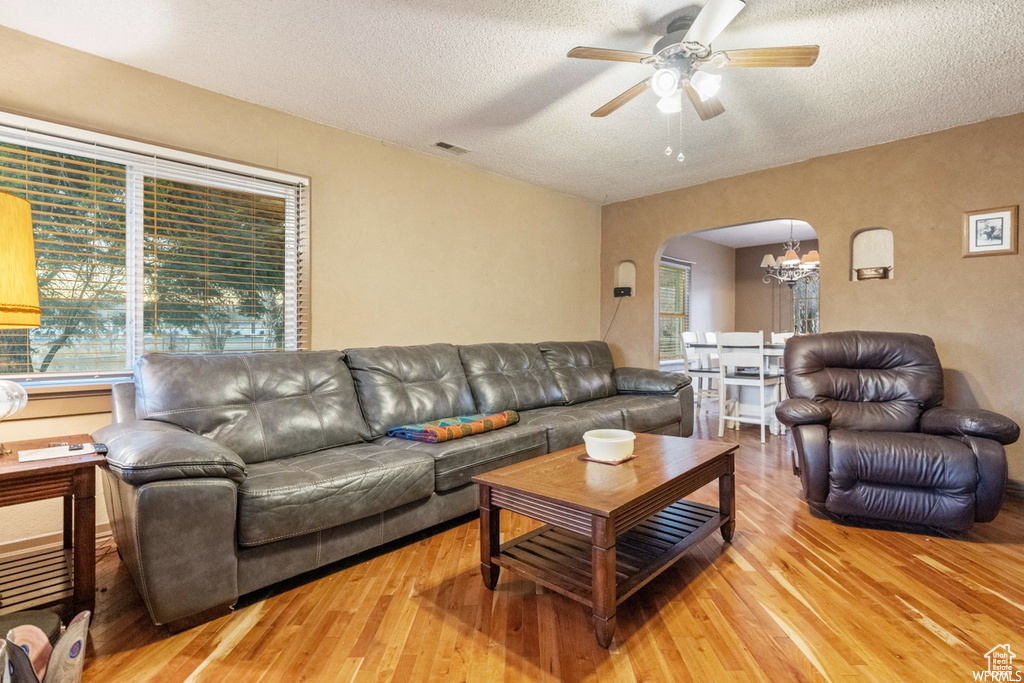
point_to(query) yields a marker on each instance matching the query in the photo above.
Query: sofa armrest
(144, 451)
(645, 381)
(802, 411)
(970, 422)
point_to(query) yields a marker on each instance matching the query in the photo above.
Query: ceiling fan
(682, 55)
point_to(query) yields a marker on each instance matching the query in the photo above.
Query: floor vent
(448, 147)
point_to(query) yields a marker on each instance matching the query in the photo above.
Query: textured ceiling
(492, 76)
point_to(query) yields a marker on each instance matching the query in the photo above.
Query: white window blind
(673, 308)
(140, 252)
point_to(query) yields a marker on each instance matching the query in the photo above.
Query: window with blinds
(673, 308)
(214, 269)
(138, 253)
(78, 212)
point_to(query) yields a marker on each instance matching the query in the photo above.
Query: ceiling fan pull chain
(668, 135)
(681, 157)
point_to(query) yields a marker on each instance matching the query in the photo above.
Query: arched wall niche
(625, 276)
(871, 255)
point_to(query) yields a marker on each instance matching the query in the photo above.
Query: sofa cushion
(509, 377)
(642, 413)
(456, 462)
(400, 385)
(565, 424)
(294, 496)
(262, 406)
(583, 370)
(905, 477)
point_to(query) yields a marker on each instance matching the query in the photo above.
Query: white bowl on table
(609, 445)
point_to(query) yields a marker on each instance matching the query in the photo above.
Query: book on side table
(56, 451)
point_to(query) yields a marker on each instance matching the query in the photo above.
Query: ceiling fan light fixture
(705, 84)
(665, 81)
(672, 104)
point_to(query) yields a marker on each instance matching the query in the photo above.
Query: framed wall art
(990, 232)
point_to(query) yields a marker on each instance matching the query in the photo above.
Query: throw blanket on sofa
(454, 427)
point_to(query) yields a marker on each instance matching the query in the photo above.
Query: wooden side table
(52, 577)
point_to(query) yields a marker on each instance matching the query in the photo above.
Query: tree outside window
(209, 276)
(805, 306)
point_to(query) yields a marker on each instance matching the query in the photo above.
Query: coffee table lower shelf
(561, 560)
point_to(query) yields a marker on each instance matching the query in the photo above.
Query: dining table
(748, 403)
(774, 349)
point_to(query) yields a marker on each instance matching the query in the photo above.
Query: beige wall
(759, 306)
(712, 281)
(406, 247)
(919, 189)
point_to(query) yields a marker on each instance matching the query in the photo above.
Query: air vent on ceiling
(448, 147)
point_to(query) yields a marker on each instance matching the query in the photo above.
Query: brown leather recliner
(873, 440)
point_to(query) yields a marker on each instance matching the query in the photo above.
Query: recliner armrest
(143, 451)
(645, 381)
(970, 422)
(802, 411)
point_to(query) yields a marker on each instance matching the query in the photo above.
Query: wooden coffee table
(610, 528)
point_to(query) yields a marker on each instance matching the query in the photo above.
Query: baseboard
(34, 544)
(1015, 488)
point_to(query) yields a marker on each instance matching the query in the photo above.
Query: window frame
(142, 160)
(808, 324)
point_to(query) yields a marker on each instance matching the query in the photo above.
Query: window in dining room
(674, 307)
(805, 306)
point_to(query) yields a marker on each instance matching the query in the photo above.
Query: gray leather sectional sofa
(228, 473)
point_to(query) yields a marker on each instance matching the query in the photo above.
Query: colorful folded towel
(454, 427)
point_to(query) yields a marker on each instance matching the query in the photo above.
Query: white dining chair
(742, 364)
(776, 361)
(700, 368)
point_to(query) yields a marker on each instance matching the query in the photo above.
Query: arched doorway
(716, 280)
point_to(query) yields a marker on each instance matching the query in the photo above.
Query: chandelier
(790, 268)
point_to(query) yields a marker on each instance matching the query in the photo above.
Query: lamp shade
(768, 261)
(673, 104)
(19, 289)
(665, 81)
(790, 259)
(705, 84)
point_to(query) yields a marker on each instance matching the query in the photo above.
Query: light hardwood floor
(792, 598)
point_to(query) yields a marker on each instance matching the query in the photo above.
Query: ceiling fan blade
(623, 98)
(716, 15)
(607, 55)
(706, 109)
(797, 55)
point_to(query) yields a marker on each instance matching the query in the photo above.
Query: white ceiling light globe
(705, 84)
(673, 104)
(665, 82)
